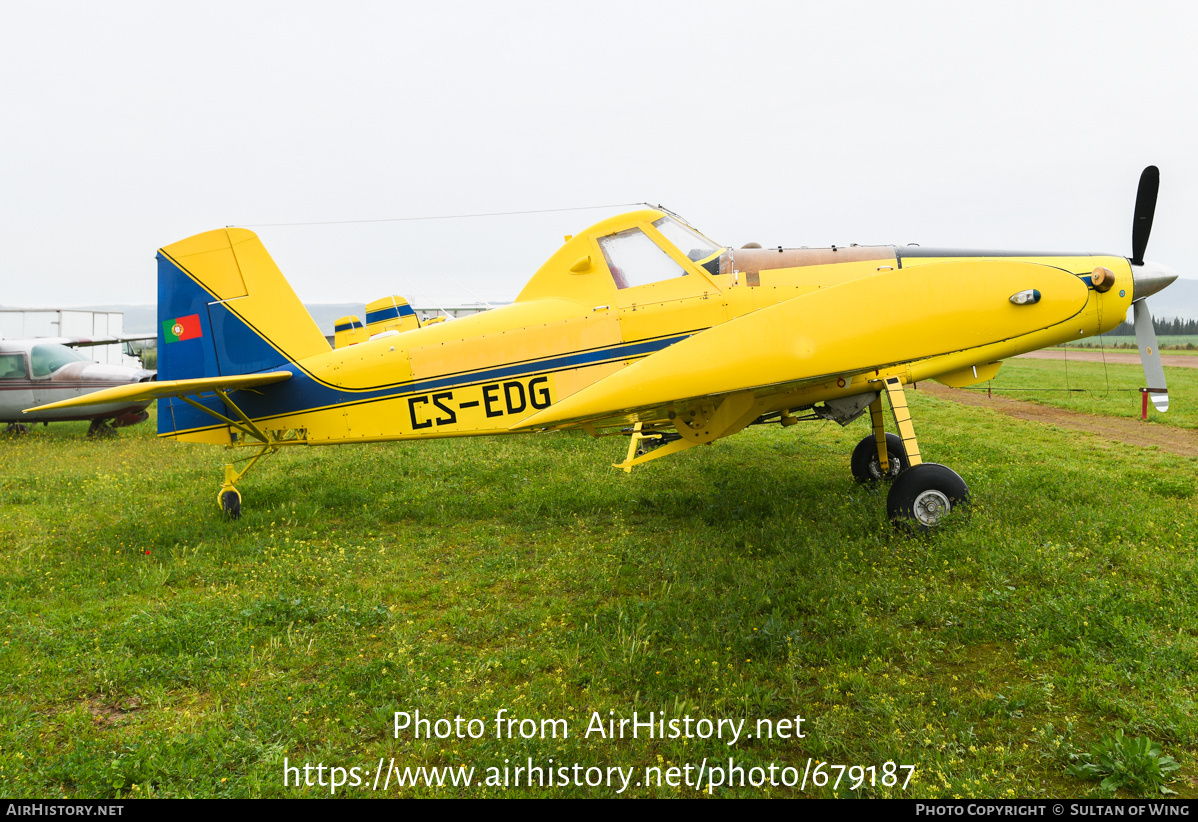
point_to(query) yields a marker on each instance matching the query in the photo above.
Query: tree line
(1166, 325)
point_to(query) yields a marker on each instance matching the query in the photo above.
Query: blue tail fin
(223, 309)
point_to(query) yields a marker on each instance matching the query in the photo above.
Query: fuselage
(819, 324)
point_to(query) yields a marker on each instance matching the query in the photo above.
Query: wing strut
(246, 426)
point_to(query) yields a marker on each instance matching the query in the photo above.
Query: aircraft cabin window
(12, 367)
(50, 357)
(634, 259)
(690, 242)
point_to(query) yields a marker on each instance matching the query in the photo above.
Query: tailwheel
(229, 500)
(924, 495)
(228, 497)
(17, 429)
(865, 465)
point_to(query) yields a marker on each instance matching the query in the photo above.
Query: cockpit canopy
(628, 251)
(694, 245)
(635, 259)
(46, 358)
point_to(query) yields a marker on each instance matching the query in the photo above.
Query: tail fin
(224, 308)
(390, 314)
(348, 330)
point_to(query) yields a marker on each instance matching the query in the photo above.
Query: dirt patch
(108, 713)
(1113, 357)
(1133, 432)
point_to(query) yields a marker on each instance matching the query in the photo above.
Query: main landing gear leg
(902, 419)
(923, 493)
(879, 456)
(878, 422)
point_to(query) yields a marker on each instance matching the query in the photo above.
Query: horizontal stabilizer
(169, 388)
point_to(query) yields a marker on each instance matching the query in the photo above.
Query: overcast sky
(127, 126)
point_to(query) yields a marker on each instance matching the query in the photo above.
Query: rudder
(224, 308)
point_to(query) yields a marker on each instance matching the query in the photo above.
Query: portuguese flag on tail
(182, 328)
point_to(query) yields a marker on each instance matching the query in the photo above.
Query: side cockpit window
(634, 259)
(12, 366)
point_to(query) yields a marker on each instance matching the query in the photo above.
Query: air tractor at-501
(641, 327)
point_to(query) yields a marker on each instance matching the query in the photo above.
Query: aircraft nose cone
(1149, 278)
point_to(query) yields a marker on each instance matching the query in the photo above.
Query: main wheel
(864, 462)
(230, 503)
(17, 429)
(923, 496)
(99, 429)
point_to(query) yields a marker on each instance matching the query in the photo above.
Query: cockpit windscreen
(690, 242)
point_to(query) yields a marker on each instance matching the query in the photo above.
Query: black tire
(230, 504)
(864, 462)
(99, 429)
(924, 495)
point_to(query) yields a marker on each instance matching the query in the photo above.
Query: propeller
(1148, 278)
(1141, 227)
(1150, 357)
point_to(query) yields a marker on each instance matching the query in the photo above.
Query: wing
(876, 322)
(169, 388)
(81, 342)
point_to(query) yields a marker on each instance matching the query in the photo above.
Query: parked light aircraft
(639, 326)
(42, 370)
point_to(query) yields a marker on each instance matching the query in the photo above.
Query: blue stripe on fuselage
(208, 356)
(304, 393)
(392, 312)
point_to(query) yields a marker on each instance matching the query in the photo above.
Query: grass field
(1110, 389)
(152, 649)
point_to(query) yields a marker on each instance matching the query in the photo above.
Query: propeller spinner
(1147, 279)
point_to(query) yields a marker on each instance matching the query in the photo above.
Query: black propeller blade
(1141, 227)
(1148, 281)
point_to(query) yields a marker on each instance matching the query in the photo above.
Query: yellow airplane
(642, 327)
